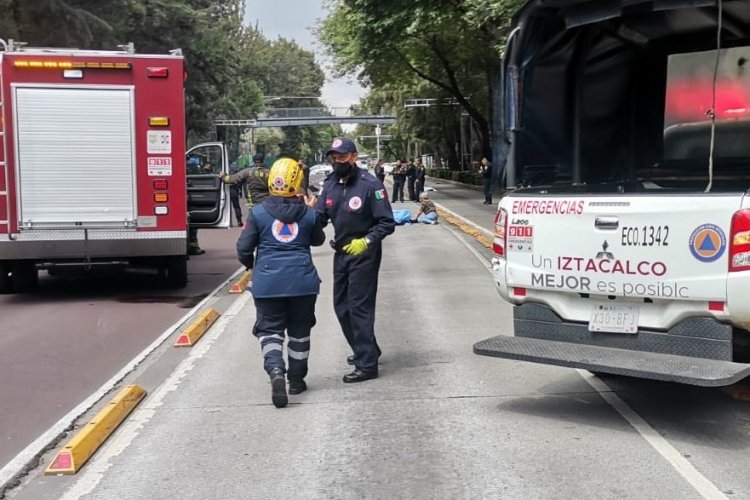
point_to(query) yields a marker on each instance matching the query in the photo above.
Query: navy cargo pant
(296, 316)
(355, 287)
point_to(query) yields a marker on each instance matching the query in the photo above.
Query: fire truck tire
(6, 283)
(25, 276)
(177, 271)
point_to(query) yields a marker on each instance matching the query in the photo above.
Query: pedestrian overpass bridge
(298, 117)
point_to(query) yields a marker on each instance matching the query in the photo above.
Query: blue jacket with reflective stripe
(284, 266)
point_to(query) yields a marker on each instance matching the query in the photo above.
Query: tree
(454, 45)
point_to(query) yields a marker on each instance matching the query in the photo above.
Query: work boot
(278, 388)
(297, 386)
(359, 376)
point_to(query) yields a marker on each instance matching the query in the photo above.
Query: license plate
(614, 318)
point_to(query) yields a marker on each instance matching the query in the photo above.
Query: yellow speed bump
(77, 452)
(197, 328)
(240, 285)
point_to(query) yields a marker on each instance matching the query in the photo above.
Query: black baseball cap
(342, 145)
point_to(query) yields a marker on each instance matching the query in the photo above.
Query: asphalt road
(60, 344)
(440, 422)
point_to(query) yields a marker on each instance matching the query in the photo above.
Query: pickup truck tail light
(739, 242)
(501, 230)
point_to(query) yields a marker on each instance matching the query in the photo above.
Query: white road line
(20, 462)
(698, 481)
(96, 469)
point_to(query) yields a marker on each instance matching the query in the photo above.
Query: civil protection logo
(283, 232)
(355, 203)
(708, 242)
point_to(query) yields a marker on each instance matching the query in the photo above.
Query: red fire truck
(92, 165)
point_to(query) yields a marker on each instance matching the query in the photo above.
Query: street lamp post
(377, 139)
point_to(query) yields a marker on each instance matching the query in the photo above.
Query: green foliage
(424, 49)
(229, 66)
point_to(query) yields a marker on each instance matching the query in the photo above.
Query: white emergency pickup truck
(624, 240)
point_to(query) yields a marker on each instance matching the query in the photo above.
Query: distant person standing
(486, 170)
(399, 177)
(305, 189)
(410, 181)
(419, 176)
(285, 282)
(380, 170)
(235, 190)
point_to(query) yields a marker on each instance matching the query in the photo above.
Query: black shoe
(196, 251)
(350, 360)
(240, 223)
(359, 376)
(278, 388)
(297, 386)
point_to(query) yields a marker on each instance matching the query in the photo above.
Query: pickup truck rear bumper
(697, 351)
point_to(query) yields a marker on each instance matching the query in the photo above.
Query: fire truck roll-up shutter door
(75, 157)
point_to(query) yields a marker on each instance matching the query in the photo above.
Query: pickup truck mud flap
(656, 366)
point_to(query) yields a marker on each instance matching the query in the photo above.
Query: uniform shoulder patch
(380, 194)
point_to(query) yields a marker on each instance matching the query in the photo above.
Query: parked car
(321, 169)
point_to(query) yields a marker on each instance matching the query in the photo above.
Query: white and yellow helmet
(285, 177)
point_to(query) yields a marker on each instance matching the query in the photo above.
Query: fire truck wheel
(177, 273)
(25, 276)
(6, 283)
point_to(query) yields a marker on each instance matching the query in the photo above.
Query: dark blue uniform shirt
(358, 208)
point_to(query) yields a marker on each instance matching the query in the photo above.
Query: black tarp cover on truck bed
(590, 80)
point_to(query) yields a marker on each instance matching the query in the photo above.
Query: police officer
(419, 177)
(256, 177)
(285, 282)
(411, 173)
(357, 205)
(399, 177)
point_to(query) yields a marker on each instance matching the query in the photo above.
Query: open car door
(208, 197)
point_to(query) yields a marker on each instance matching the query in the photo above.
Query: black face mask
(341, 169)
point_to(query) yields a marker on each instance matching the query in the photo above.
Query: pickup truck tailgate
(647, 246)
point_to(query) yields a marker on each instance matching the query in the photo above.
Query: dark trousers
(398, 190)
(274, 317)
(419, 187)
(355, 287)
(234, 198)
(488, 190)
(412, 191)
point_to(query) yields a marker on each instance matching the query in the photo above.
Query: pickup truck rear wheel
(177, 272)
(6, 282)
(25, 276)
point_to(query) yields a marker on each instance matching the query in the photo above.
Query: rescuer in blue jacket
(357, 205)
(285, 283)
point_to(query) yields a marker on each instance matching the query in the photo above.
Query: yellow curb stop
(197, 328)
(240, 285)
(79, 449)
